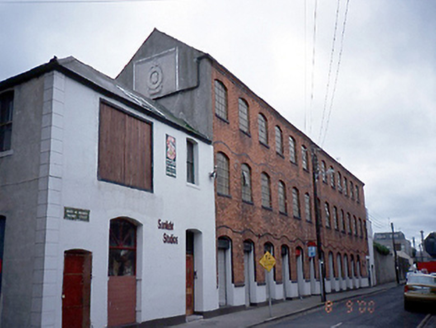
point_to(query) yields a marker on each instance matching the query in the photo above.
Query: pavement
(257, 315)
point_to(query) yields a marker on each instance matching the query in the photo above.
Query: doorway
(190, 273)
(248, 270)
(122, 273)
(300, 272)
(285, 272)
(223, 259)
(76, 289)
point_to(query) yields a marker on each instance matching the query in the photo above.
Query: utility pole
(395, 254)
(318, 225)
(422, 246)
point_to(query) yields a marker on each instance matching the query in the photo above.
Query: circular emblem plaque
(155, 78)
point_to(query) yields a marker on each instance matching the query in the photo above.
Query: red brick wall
(241, 221)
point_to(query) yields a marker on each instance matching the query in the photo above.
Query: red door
(189, 284)
(76, 293)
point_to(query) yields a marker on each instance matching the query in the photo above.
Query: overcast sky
(380, 123)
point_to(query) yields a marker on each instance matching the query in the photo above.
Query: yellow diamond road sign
(268, 261)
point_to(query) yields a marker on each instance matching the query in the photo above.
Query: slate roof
(100, 82)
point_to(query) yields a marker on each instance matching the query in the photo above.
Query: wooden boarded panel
(121, 300)
(125, 149)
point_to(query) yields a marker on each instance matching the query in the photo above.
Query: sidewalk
(254, 316)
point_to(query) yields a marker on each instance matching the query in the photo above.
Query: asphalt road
(382, 310)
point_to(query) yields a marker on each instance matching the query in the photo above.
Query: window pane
(263, 130)
(292, 156)
(327, 215)
(279, 141)
(266, 191)
(307, 207)
(246, 183)
(6, 108)
(243, 116)
(220, 100)
(304, 157)
(121, 262)
(222, 174)
(190, 173)
(282, 197)
(296, 202)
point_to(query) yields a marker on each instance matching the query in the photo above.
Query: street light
(318, 225)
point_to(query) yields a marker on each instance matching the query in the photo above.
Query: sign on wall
(76, 214)
(170, 156)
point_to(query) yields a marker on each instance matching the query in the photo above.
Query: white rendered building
(106, 204)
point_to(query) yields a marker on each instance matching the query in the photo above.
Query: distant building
(264, 192)
(401, 243)
(107, 213)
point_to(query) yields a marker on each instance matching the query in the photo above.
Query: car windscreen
(426, 280)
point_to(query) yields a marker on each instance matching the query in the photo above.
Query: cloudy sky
(360, 79)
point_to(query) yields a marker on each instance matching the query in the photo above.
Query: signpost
(268, 261)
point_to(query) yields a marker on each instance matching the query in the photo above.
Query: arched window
(332, 177)
(292, 154)
(339, 182)
(335, 218)
(246, 183)
(342, 221)
(266, 190)
(282, 198)
(263, 129)
(304, 158)
(296, 203)
(327, 215)
(122, 248)
(323, 172)
(307, 210)
(223, 174)
(220, 100)
(279, 141)
(244, 123)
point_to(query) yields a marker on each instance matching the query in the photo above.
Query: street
(382, 310)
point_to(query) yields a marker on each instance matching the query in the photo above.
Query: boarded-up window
(125, 149)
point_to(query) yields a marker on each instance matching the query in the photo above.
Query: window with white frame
(191, 148)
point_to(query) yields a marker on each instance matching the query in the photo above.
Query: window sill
(6, 153)
(246, 133)
(297, 218)
(280, 154)
(267, 208)
(248, 202)
(283, 213)
(222, 119)
(193, 185)
(224, 195)
(263, 144)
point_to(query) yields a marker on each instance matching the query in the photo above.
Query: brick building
(264, 191)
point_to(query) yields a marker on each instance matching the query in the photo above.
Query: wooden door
(189, 284)
(76, 291)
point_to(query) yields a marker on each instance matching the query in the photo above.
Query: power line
(71, 1)
(330, 69)
(313, 63)
(337, 71)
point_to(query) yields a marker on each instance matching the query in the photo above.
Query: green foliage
(383, 250)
